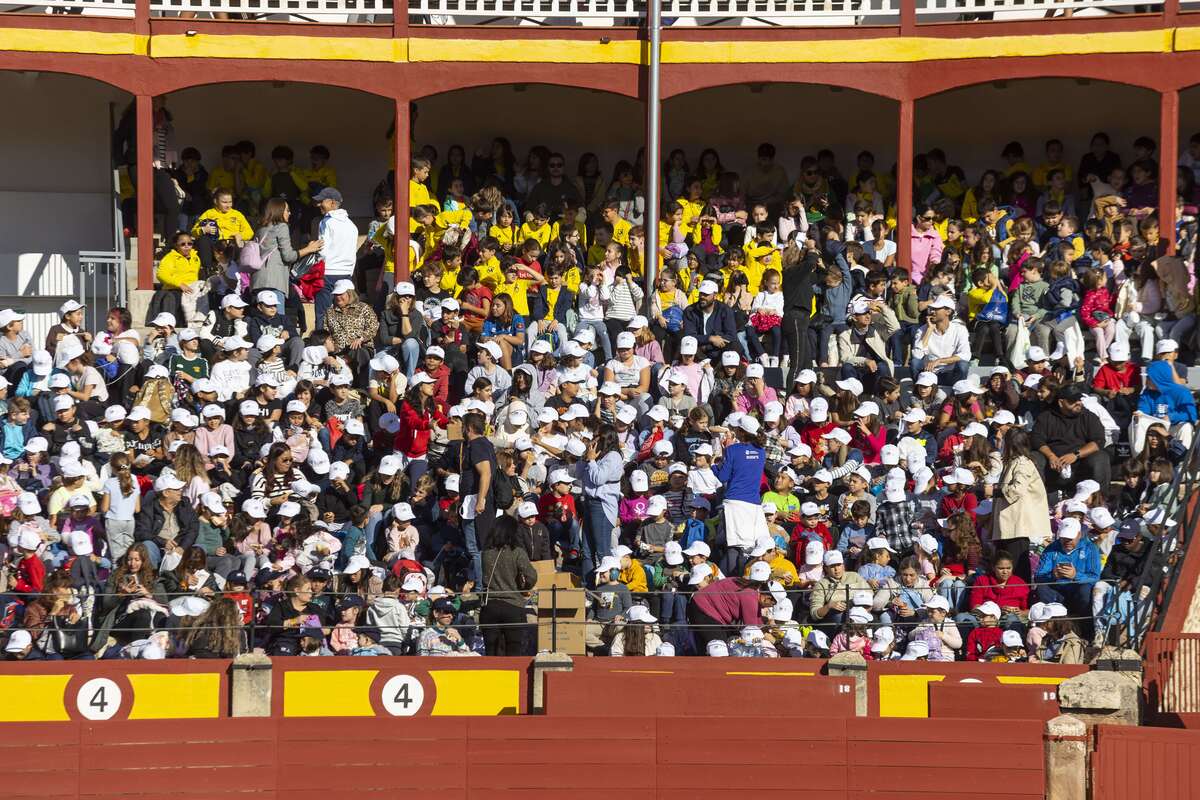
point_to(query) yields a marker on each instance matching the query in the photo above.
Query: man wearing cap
(712, 323)
(862, 347)
(1068, 441)
(830, 597)
(1068, 569)
(267, 319)
(337, 242)
(943, 345)
(166, 522)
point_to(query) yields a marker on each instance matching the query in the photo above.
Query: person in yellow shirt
(518, 279)
(488, 267)
(538, 226)
(986, 189)
(179, 274)
(221, 223)
(505, 231)
(620, 227)
(692, 203)
(254, 181)
(451, 262)
(225, 175)
(761, 255)
(601, 240)
(1014, 154)
(319, 170)
(418, 193)
(1054, 160)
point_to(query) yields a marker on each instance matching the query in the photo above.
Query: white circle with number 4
(99, 699)
(403, 696)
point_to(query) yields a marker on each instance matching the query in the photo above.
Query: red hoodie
(980, 640)
(1014, 594)
(441, 386)
(413, 437)
(811, 434)
(31, 575)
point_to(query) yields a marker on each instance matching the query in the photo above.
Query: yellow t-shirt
(518, 290)
(220, 178)
(228, 223)
(490, 272)
(381, 238)
(507, 237)
(572, 278)
(541, 235)
(418, 195)
(255, 176)
(621, 229)
(1041, 175)
(551, 300)
(449, 278)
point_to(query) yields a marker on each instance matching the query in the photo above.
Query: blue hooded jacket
(1167, 399)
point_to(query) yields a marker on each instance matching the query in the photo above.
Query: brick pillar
(904, 178)
(1168, 149)
(403, 159)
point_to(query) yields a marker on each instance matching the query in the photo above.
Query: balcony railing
(599, 13)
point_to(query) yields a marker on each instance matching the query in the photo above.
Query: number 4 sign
(403, 696)
(99, 699)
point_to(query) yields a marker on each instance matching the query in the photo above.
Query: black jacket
(798, 285)
(257, 324)
(149, 522)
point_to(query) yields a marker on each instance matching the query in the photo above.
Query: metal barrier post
(554, 619)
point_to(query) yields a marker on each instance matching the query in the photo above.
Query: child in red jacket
(31, 572)
(987, 640)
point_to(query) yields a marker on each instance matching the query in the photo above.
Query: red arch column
(145, 190)
(1168, 177)
(904, 198)
(401, 206)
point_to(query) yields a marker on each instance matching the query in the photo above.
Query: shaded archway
(57, 188)
(352, 124)
(572, 121)
(973, 124)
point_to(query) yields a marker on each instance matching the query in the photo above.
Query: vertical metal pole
(653, 146)
(553, 619)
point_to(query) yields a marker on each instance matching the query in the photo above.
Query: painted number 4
(403, 696)
(99, 699)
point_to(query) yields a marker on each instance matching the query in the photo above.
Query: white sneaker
(765, 360)
(785, 363)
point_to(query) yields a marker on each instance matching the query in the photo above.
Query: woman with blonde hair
(190, 468)
(216, 633)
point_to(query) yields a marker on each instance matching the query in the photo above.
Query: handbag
(1016, 353)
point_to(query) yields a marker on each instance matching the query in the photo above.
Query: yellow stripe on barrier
(476, 693)
(776, 674)
(893, 49)
(33, 698)
(1031, 679)
(284, 47)
(183, 696)
(905, 695)
(46, 40)
(328, 693)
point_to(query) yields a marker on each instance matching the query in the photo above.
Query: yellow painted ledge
(33, 698)
(316, 48)
(328, 693)
(475, 692)
(905, 695)
(564, 51)
(42, 40)
(182, 696)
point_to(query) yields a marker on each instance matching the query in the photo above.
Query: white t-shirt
(120, 506)
(628, 375)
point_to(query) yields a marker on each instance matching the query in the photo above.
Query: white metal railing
(598, 12)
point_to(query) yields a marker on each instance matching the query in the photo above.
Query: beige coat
(1021, 509)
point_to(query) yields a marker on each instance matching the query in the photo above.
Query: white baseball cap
(1069, 528)
(626, 340)
(760, 571)
(343, 286)
(1035, 354)
(1165, 346)
(814, 553)
(754, 371)
(833, 558)
(688, 345)
(852, 385)
(989, 609)
(709, 287)
(526, 510)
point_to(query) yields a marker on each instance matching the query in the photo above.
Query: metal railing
(1172, 677)
(600, 13)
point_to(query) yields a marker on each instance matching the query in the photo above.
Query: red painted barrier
(1145, 763)
(992, 701)
(531, 758)
(572, 694)
(900, 688)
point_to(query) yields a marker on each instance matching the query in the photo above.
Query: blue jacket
(1167, 399)
(1085, 558)
(741, 471)
(14, 438)
(539, 303)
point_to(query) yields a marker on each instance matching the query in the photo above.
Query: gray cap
(328, 193)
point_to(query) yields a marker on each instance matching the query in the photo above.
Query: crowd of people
(789, 445)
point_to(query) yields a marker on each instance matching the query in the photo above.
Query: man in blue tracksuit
(1068, 570)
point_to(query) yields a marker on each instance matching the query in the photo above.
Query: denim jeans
(324, 299)
(946, 376)
(597, 541)
(472, 543)
(565, 534)
(410, 355)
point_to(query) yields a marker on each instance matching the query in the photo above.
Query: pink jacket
(926, 251)
(1093, 301)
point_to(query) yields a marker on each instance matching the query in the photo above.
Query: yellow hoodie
(229, 223)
